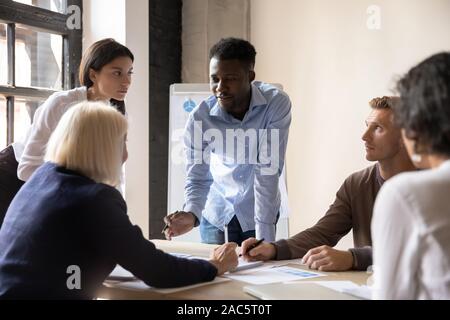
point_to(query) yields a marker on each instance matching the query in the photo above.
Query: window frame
(38, 19)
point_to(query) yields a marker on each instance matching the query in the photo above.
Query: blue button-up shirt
(233, 166)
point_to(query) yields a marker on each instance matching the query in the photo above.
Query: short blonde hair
(385, 102)
(89, 139)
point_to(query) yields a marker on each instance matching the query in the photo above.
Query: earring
(416, 158)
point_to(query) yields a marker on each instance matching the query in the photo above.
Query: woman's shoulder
(104, 199)
(79, 184)
(58, 103)
(414, 181)
(414, 189)
(403, 183)
(73, 95)
(97, 196)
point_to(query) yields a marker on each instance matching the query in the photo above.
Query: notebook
(295, 291)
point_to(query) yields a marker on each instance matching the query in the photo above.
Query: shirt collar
(380, 179)
(257, 100)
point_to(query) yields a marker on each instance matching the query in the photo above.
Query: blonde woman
(69, 215)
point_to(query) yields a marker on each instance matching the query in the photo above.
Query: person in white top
(105, 74)
(411, 221)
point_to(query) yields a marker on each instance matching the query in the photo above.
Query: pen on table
(167, 225)
(225, 232)
(253, 246)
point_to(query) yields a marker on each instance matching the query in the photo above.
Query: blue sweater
(60, 218)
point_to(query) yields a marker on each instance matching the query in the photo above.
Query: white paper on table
(273, 264)
(348, 287)
(339, 286)
(273, 275)
(119, 273)
(182, 255)
(277, 263)
(364, 292)
(245, 265)
(139, 285)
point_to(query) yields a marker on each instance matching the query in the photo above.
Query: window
(2, 122)
(38, 61)
(3, 55)
(53, 5)
(39, 55)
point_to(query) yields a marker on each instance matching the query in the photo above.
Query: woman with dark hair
(411, 222)
(105, 74)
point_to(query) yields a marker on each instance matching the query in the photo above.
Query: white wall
(137, 181)
(103, 19)
(127, 22)
(331, 65)
(204, 22)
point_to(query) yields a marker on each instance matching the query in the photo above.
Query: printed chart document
(272, 275)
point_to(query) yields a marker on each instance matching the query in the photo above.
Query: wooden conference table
(229, 290)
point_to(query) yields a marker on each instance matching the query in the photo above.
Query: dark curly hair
(424, 107)
(234, 48)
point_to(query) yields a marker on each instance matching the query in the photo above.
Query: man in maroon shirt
(352, 208)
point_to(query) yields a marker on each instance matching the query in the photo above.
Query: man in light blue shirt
(235, 147)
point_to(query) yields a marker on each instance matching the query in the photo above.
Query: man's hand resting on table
(325, 258)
